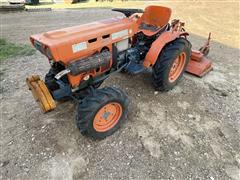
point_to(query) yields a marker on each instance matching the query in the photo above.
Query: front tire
(171, 64)
(101, 113)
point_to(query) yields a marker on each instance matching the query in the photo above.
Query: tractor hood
(71, 43)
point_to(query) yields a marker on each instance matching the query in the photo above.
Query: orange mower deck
(199, 65)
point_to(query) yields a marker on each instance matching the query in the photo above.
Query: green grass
(8, 50)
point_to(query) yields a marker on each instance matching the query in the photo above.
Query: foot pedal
(41, 93)
(199, 65)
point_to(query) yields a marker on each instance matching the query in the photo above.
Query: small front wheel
(101, 113)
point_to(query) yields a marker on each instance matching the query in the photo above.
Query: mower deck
(199, 65)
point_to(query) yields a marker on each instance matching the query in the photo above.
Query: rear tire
(164, 76)
(101, 113)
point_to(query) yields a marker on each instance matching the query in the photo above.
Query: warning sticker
(120, 34)
(79, 47)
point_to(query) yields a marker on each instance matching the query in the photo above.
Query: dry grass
(219, 17)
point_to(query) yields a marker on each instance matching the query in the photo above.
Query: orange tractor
(82, 57)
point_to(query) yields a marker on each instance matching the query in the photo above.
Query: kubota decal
(79, 47)
(120, 34)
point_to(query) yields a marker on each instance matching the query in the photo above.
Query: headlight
(48, 53)
(38, 46)
(43, 49)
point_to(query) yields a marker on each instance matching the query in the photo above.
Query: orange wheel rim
(107, 117)
(177, 67)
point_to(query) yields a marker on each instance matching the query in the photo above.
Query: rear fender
(158, 45)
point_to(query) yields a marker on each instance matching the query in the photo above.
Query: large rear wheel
(171, 64)
(101, 113)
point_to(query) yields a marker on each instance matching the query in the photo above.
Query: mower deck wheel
(101, 113)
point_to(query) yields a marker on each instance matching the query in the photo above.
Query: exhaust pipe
(85, 64)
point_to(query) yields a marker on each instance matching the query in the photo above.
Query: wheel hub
(177, 67)
(107, 117)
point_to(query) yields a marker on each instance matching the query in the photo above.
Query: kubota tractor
(82, 57)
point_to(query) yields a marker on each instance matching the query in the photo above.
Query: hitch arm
(206, 47)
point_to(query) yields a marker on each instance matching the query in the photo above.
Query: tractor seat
(148, 27)
(149, 30)
(154, 20)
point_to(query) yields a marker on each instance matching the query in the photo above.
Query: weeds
(8, 50)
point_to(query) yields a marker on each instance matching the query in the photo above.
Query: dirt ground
(191, 132)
